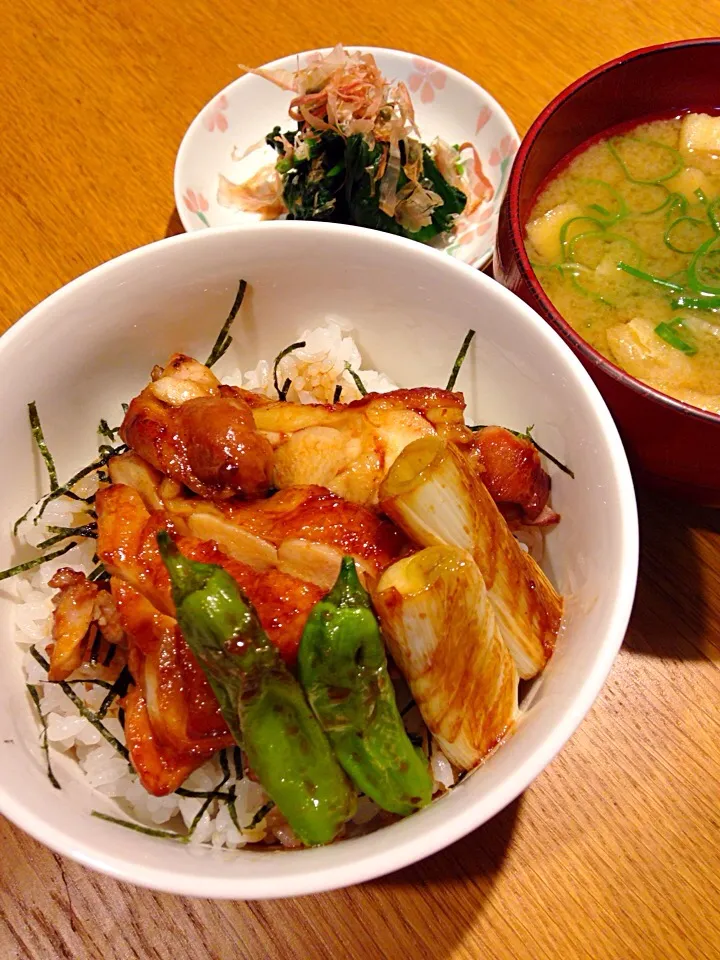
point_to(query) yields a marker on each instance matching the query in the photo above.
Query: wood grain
(614, 852)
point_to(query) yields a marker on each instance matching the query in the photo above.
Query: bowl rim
(391, 856)
(188, 138)
(512, 199)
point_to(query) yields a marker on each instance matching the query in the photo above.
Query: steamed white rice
(315, 370)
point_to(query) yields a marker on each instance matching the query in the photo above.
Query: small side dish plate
(447, 104)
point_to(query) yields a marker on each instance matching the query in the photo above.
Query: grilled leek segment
(443, 635)
(432, 493)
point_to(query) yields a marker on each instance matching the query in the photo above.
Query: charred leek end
(343, 669)
(432, 493)
(261, 701)
(443, 635)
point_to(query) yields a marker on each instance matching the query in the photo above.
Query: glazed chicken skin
(127, 545)
(82, 609)
(223, 441)
(187, 426)
(349, 448)
(511, 469)
(304, 531)
(173, 721)
(172, 718)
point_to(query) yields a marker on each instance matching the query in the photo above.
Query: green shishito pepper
(262, 702)
(343, 668)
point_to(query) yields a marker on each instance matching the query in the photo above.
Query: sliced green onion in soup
(565, 240)
(685, 234)
(671, 334)
(667, 158)
(704, 269)
(603, 199)
(649, 277)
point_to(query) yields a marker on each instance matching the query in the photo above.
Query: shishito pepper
(262, 702)
(343, 668)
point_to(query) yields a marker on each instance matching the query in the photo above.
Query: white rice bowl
(91, 345)
(315, 370)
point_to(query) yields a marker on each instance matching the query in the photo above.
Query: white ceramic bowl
(447, 104)
(92, 344)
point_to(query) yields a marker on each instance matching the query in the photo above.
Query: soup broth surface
(625, 241)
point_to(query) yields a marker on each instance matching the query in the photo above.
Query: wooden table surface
(614, 851)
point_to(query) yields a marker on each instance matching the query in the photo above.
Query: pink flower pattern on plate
(215, 118)
(197, 204)
(505, 150)
(476, 225)
(484, 117)
(426, 79)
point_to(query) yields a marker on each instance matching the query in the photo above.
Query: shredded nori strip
(282, 394)
(223, 349)
(237, 760)
(118, 689)
(230, 796)
(415, 739)
(212, 796)
(150, 831)
(32, 690)
(93, 467)
(38, 561)
(95, 649)
(64, 533)
(223, 338)
(527, 435)
(358, 382)
(71, 495)
(105, 430)
(338, 393)
(39, 438)
(203, 794)
(459, 359)
(260, 815)
(110, 655)
(232, 810)
(209, 796)
(96, 680)
(407, 708)
(82, 709)
(19, 520)
(544, 452)
(98, 573)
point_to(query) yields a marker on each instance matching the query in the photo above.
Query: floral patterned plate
(447, 104)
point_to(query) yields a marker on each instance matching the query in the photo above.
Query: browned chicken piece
(511, 469)
(81, 609)
(172, 720)
(313, 513)
(127, 546)
(184, 425)
(349, 448)
(303, 531)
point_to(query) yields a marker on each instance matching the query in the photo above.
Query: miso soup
(625, 241)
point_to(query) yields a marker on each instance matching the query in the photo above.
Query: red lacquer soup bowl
(670, 444)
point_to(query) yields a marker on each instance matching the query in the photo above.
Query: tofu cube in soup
(687, 182)
(700, 140)
(544, 232)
